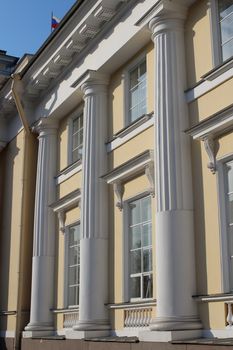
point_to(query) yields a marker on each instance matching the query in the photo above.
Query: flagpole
(51, 28)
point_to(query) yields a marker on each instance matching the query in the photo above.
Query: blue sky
(26, 24)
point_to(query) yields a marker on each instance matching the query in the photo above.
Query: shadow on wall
(7, 156)
(197, 56)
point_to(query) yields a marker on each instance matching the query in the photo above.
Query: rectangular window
(73, 265)
(77, 138)
(225, 11)
(137, 91)
(140, 249)
(229, 215)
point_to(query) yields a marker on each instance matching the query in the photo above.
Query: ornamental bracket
(211, 149)
(118, 188)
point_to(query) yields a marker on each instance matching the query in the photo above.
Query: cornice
(74, 43)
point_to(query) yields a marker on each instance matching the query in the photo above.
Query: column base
(37, 334)
(72, 334)
(174, 323)
(95, 325)
(166, 336)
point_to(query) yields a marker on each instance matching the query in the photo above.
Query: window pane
(227, 28)
(147, 260)
(147, 286)
(225, 8)
(134, 78)
(135, 237)
(146, 209)
(135, 261)
(74, 255)
(230, 208)
(73, 295)
(229, 171)
(135, 216)
(147, 235)
(227, 50)
(74, 235)
(73, 275)
(142, 69)
(135, 287)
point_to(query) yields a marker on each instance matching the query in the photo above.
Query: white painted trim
(211, 299)
(125, 82)
(207, 85)
(75, 114)
(217, 333)
(7, 334)
(221, 182)
(130, 168)
(132, 305)
(67, 202)
(128, 332)
(68, 172)
(215, 33)
(119, 141)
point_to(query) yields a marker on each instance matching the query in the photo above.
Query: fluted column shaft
(94, 214)
(175, 257)
(43, 263)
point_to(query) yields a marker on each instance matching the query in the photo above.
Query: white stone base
(37, 334)
(71, 334)
(165, 336)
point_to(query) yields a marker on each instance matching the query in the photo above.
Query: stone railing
(229, 318)
(70, 319)
(137, 317)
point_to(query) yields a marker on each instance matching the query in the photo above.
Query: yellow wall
(70, 185)
(198, 42)
(212, 102)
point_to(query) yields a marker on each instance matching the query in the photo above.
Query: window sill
(219, 70)
(213, 297)
(130, 305)
(66, 310)
(69, 171)
(132, 126)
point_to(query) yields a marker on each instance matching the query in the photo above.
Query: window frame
(126, 87)
(222, 205)
(66, 263)
(217, 56)
(125, 249)
(76, 114)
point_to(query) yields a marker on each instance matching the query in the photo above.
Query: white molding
(125, 81)
(119, 141)
(217, 333)
(221, 186)
(68, 172)
(216, 125)
(215, 33)
(207, 85)
(143, 163)
(213, 298)
(128, 332)
(132, 305)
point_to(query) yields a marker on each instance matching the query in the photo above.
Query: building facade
(117, 177)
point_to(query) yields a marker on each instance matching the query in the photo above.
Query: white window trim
(66, 255)
(75, 114)
(125, 81)
(216, 36)
(125, 250)
(221, 180)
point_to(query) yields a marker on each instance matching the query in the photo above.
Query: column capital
(2, 145)
(45, 126)
(169, 16)
(94, 83)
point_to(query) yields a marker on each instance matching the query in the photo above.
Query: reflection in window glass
(77, 138)
(225, 8)
(140, 248)
(137, 92)
(73, 264)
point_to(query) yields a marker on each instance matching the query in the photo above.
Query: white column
(175, 248)
(43, 262)
(93, 315)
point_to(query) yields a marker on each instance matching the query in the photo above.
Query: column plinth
(43, 262)
(93, 314)
(175, 256)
